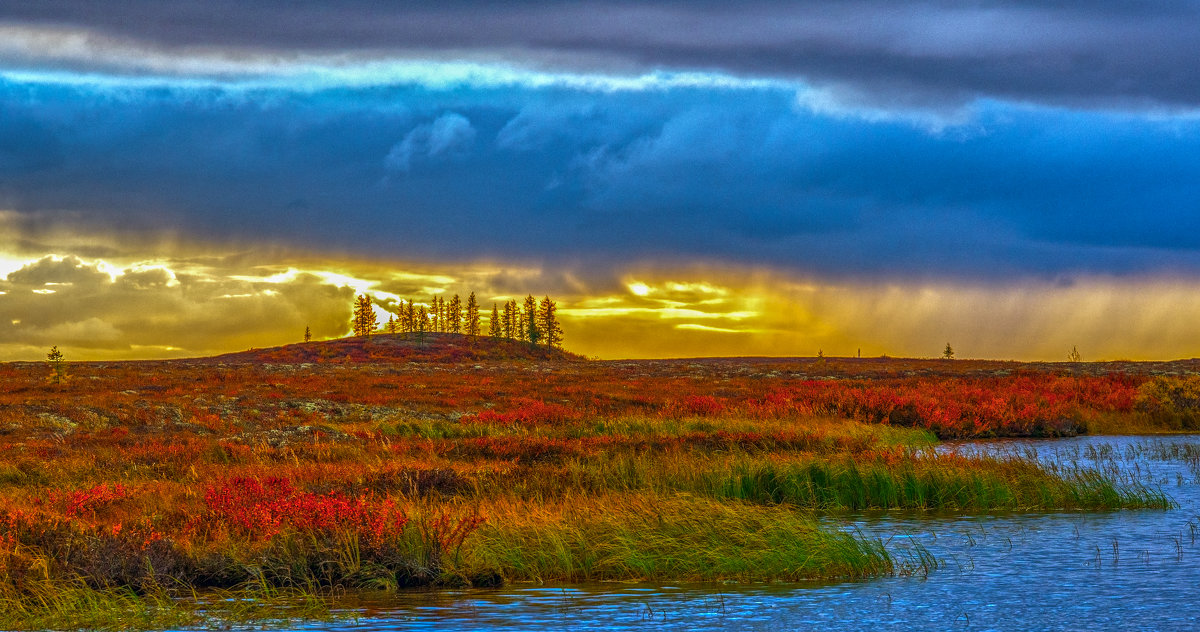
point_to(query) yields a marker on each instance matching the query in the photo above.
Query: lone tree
(548, 326)
(494, 329)
(364, 316)
(532, 333)
(472, 315)
(1073, 355)
(58, 366)
(307, 334)
(949, 352)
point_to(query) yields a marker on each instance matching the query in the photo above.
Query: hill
(394, 348)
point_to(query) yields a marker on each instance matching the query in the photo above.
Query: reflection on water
(1128, 570)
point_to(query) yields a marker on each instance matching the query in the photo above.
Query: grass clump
(73, 604)
(935, 483)
(676, 538)
(66, 604)
(890, 479)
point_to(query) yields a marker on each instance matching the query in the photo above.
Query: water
(1128, 570)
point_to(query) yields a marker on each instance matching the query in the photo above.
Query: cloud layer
(887, 51)
(752, 176)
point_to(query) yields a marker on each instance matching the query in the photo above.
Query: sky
(694, 178)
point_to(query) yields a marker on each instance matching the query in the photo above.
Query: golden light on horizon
(150, 304)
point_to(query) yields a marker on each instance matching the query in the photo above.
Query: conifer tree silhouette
(58, 366)
(509, 323)
(364, 316)
(548, 326)
(494, 328)
(532, 333)
(454, 315)
(472, 315)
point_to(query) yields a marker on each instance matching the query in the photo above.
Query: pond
(1126, 570)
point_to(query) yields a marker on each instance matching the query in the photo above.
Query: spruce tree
(494, 329)
(454, 315)
(532, 333)
(472, 315)
(410, 317)
(551, 331)
(509, 324)
(307, 334)
(364, 316)
(58, 366)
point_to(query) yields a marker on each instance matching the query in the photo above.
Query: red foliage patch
(262, 508)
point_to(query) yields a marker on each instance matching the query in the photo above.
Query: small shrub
(1171, 401)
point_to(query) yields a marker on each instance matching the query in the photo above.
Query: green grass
(670, 538)
(989, 486)
(71, 604)
(837, 483)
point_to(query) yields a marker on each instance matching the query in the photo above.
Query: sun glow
(152, 305)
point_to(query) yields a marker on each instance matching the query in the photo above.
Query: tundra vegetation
(147, 494)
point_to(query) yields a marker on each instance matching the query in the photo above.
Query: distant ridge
(387, 348)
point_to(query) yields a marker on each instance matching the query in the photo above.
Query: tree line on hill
(533, 322)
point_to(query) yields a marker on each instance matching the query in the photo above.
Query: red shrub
(262, 508)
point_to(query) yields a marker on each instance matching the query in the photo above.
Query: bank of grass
(676, 537)
(922, 486)
(909, 480)
(817, 434)
(923, 483)
(73, 604)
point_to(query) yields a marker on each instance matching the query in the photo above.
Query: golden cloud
(145, 300)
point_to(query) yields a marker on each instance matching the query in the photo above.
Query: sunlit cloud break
(77, 58)
(96, 309)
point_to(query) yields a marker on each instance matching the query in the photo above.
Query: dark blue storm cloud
(601, 178)
(1122, 52)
